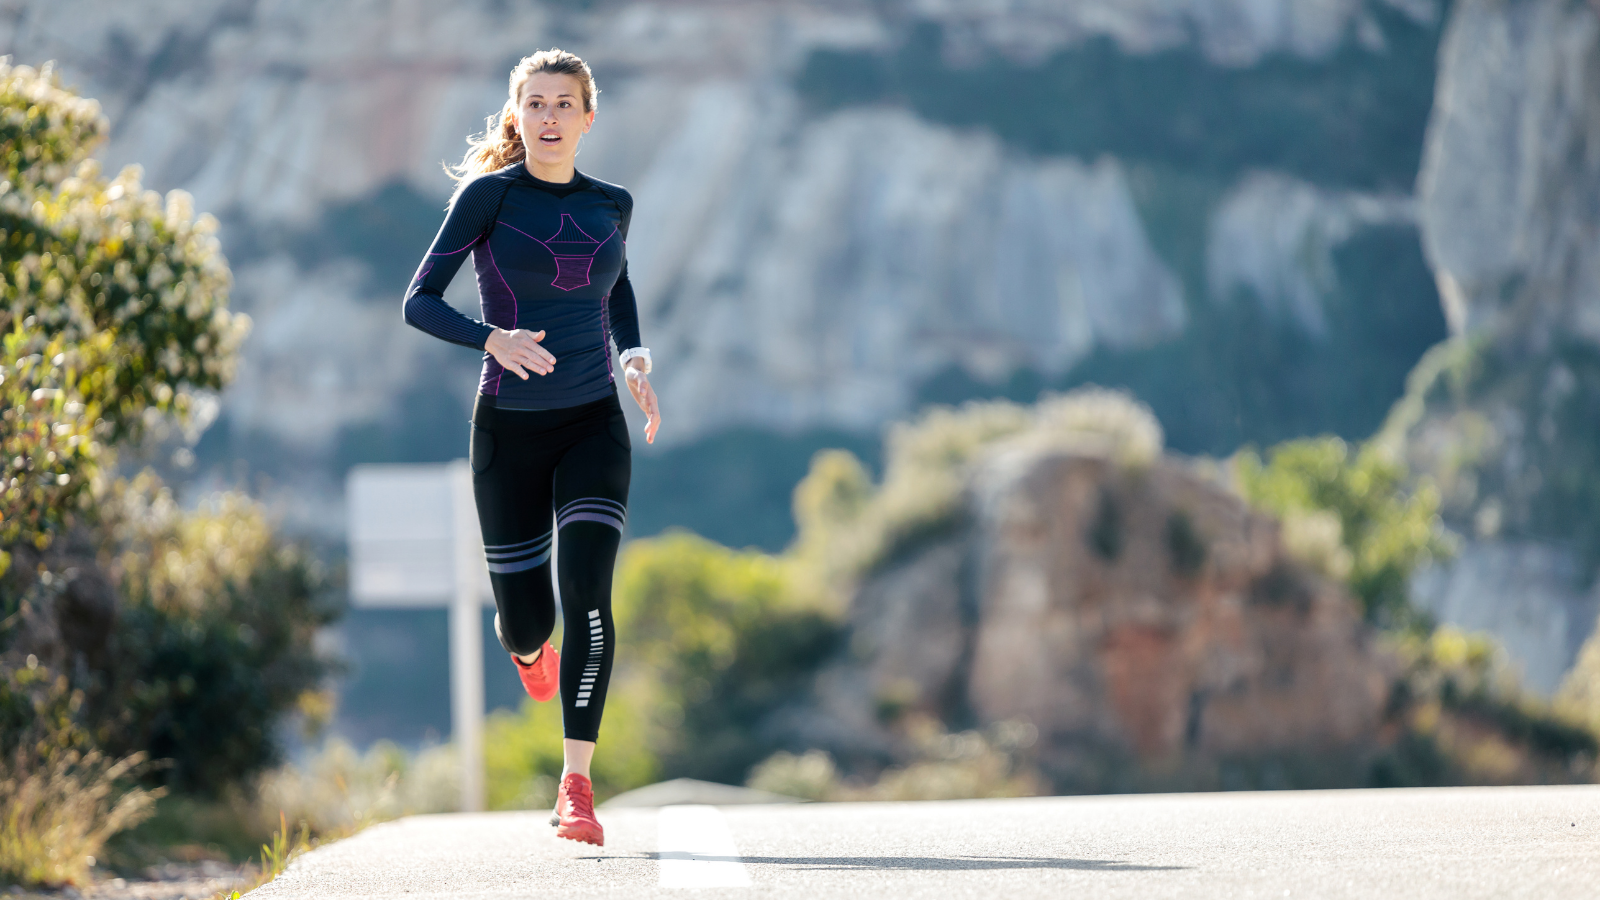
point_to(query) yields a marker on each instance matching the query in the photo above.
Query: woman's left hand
(639, 386)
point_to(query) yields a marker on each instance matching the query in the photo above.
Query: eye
(566, 104)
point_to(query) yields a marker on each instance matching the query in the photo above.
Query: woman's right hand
(519, 351)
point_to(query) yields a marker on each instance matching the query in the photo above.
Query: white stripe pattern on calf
(591, 671)
(505, 559)
(593, 509)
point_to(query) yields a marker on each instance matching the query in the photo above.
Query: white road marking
(697, 850)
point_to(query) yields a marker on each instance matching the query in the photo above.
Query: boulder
(1142, 614)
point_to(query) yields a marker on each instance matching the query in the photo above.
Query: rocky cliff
(843, 211)
(1504, 419)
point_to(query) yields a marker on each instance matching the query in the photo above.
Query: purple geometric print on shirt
(499, 310)
(574, 251)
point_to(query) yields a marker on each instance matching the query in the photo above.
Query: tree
(181, 635)
(112, 307)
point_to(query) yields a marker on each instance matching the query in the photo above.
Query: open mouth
(549, 137)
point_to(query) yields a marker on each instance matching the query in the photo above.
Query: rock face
(1141, 615)
(1511, 170)
(797, 268)
(1507, 202)
(1527, 594)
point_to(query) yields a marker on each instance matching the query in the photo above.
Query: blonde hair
(500, 145)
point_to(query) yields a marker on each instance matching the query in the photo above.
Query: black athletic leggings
(571, 465)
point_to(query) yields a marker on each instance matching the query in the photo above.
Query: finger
(518, 370)
(537, 349)
(519, 363)
(541, 364)
(532, 345)
(535, 362)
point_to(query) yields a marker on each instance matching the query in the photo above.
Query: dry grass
(58, 807)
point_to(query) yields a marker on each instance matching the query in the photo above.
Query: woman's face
(551, 118)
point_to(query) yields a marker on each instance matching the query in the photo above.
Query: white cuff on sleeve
(641, 352)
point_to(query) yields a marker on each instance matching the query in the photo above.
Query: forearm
(428, 312)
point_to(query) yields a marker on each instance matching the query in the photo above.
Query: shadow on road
(847, 863)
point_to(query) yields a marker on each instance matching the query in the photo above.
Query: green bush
(1463, 718)
(523, 750)
(213, 644)
(1351, 516)
(112, 307)
(188, 634)
(712, 640)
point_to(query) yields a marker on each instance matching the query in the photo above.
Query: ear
(588, 120)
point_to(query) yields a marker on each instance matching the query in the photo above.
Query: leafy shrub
(1350, 516)
(944, 766)
(712, 640)
(811, 775)
(111, 306)
(214, 639)
(523, 750)
(1464, 719)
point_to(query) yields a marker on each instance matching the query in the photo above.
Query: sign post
(466, 638)
(415, 543)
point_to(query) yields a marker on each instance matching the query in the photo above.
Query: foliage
(111, 306)
(811, 775)
(1350, 515)
(712, 639)
(1579, 694)
(943, 766)
(214, 638)
(60, 798)
(848, 528)
(1465, 720)
(523, 750)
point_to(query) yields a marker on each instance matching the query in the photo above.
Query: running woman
(549, 443)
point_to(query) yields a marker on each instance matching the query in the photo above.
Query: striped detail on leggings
(507, 558)
(591, 670)
(593, 509)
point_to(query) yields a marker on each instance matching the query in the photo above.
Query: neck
(555, 173)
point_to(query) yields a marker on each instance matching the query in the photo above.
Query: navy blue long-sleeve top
(549, 257)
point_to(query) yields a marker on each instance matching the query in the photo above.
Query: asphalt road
(1450, 842)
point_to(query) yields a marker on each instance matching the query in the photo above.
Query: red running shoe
(574, 816)
(543, 677)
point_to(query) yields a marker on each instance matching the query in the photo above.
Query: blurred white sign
(403, 535)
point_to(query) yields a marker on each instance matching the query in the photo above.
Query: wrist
(637, 357)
